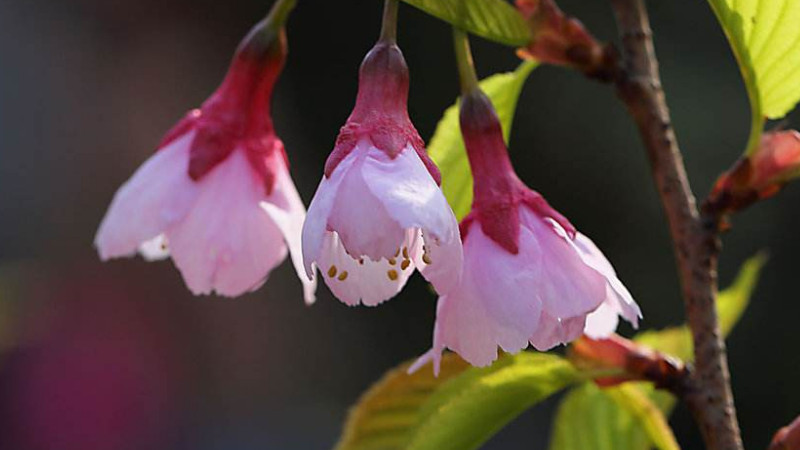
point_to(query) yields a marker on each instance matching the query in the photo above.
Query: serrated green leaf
(765, 38)
(385, 414)
(446, 147)
(618, 418)
(495, 20)
(460, 410)
(470, 409)
(731, 303)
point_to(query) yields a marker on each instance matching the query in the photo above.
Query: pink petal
(315, 226)
(413, 200)
(475, 318)
(159, 194)
(285, 207)
(362, 280)
(553, 331)
(227, 243)
(566, 286)
(360, 217)
(618, 298)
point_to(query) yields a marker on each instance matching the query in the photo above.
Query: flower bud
(562, 40)
(760, 175)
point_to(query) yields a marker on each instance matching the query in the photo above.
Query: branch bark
(695, 236)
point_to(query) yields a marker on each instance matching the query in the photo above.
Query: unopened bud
(787, 438)
(760, 175)
(562, 40)
(637, 361)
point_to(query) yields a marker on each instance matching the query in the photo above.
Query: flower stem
(389, 24)
(466, 67)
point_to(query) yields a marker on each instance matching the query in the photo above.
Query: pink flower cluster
(217, 198)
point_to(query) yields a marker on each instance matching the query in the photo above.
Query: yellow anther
(332, 271)
(397, 253)
(404, 265)
(392, 274)
(426, 259)
(405, 252)
(392, 261)
(342, 276)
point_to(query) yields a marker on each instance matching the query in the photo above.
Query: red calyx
(381, 113)
(238, 113)
(498, 192)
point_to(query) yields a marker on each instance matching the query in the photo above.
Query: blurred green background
(121, 356)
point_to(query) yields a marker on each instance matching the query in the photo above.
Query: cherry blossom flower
(217, 196)
(379, 212)
(528, 276)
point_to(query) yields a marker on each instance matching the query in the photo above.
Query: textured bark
(708, 393)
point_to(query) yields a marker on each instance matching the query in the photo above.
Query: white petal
(316, 223)
(286, 209)
(603, 321)
(227, 243)
(159, 194)
(155, 249)
(361, 280)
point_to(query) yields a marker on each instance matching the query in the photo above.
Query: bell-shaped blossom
(217, 196)
(379, 212)
(761, 175)
(528, 276)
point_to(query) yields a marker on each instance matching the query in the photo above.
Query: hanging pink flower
(528, 276)
(217, 196)
(379, 212)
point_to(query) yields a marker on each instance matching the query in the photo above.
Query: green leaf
(470, 409)
(612, 416)
(385, 414)
(731, 303)
(765, 39)
(618, 418)
(446, 147)
(461, 409)
(495, 20)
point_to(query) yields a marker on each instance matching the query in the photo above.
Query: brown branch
(694, 236)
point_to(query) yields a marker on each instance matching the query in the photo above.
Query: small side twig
(694, 236)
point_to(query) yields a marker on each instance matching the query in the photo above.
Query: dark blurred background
(121, 356)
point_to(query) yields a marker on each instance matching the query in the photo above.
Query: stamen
(405, 252)
(397, 253)
(361, 261)
(342, 276)
(404, 265)
(332, 271)
(392, 261)
(426, 258)
(392, 274)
